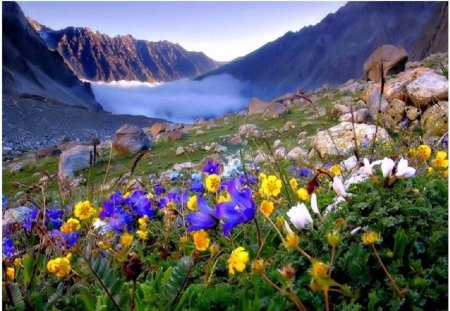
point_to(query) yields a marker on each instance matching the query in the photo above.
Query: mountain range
(334, 50)
(94, 56)
(31, 70)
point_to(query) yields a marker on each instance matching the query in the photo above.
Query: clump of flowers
(126, 239)
(440, 159)
(70, 225)
(271, 186)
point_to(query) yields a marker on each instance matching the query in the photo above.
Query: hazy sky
(222, 30)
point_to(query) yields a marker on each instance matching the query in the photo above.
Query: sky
(222, 30)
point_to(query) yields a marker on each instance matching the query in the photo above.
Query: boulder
(176, 135)
(280, 153)
(362, 115)
(73, 160)
(276, 110)
(69, 144)
(296, 154)
(249, 130)
(257, 106)
(372, 99)
(427, 87)
(130, 139)
(339, 110)
(393, 57)
(343, 137)
(157, 128)
(396, 108)
(434, 120)
(412, 113)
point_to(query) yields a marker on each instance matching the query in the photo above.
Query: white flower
(314, 206)
(387, 165)
(354, 231)
(300, 216)
(339, 188)
(403, 170)
(368, 166)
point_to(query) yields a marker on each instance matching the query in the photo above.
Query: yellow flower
(127, 195)
(212, 183)
(142, 234)
(294, 184)
(271, 186)
(390, 253)
(239, 257)
(17, 261)
(267, 207)
(126, 239)
(84, 210)
(70, 225)
(291, 240)
(303, 194)
(104, 245)
(10, 273)
(201, 240)
(184, 239)
(224, 198)
(423, 152)
(412, 153)
(59, 266)
(430, 170)
(192, 203)
(334, 237)
(335, 170)
(143, 223)
(370, 237)
(319, 270)
(441, 159)
(214, 249)
(149, 196)
(262, 177)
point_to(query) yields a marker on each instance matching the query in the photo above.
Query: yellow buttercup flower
(142, 234)
(192, 203)
(267, 207)
(271, 186)
(430, 170)
(127, 195)
(126, 239)
(258, 266)
(212, 183)
(214, 249)
(294, 184)
(17, 262)
(201, 240)
(440, 160)
(70, 225)
(239, 257)
(10, 273)
(319, 270)
(262, 177)
(149, 196)
(423, 152)
(104, 245)
(59, 266)
(335, 170)
(184, 239)
(84, 210)
(370, 237)
(291, 240)
(280, 221)
(303, 194)
(142, 221)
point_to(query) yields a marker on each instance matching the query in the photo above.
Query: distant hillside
(98, 57)
(31, 70)
(334, 50)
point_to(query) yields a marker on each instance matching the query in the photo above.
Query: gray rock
(393, 57)
(427, 87)
(373, 101)
(73, 160)
(179, 151)
(277, 143)
(130, 139)
(362, 115)
(412, 113)
(296, 154)
(343, 138)
(249, 130)
(16, 168)
(339, 110)
(396, 107)
(280, 153)
(276, 110)
(69, 144)
(220, 149)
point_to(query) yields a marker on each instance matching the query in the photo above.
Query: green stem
(333, 254)
(133, 296)
(300, 306)
(258, 230)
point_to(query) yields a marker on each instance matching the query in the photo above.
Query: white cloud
(178, 101)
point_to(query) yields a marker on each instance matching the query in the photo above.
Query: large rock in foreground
(435, 119)
(394, 59)
(428, 87)
(130, 139)
(343, 137)
(74, 159)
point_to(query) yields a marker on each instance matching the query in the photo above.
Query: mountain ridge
(95, 56)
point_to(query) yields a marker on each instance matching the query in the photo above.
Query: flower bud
(258, 266)
(334, 237)
(288, 272)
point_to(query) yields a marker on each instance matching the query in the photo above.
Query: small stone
(412, 113)
(180, 150)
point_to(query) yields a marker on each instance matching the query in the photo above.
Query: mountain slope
(332, 51)
(30, 69)
(98, 57)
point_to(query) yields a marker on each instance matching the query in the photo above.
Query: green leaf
(177, 281)
(401, 242)
(87, 299)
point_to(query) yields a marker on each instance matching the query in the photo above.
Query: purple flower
(301, 172)
(8, 248)
(445, 141)
(197, 186)
(206, 218)
(159, 189)
(211, 167)
(140, 204)
(115, 200)
(4, 202)
(54, 218)
(239, 210)
(119, 219)
(30, 218)
(68, 240)
(243, 180)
